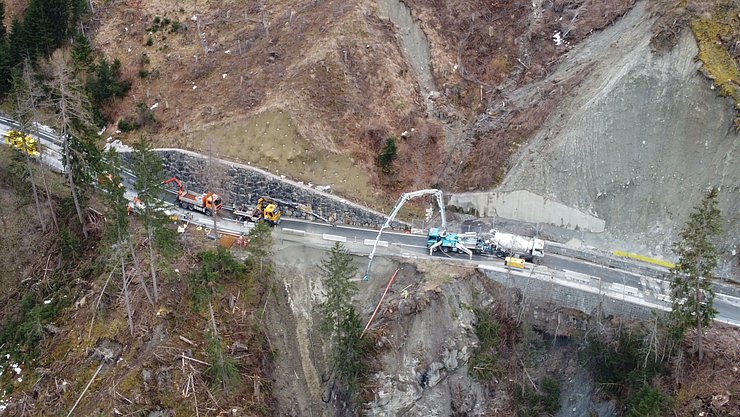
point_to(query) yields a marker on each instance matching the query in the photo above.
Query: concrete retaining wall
(526, 206)
(242, 184)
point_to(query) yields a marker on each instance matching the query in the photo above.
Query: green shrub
(550, 394)
(223, 369)
(127, 125)
(618, 366)
(149, 41)
(647, 402)
(483, 361)
(70, 245)
(23, 331)
(388, 155)
(612, 363)
(529, 402)
(215, 266)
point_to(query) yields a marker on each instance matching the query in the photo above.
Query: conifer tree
(260, 247)
(117, 229)
(3, 31)
(74, 124)
(342, 323)
(336, 273)
(81, 51)
(149, 171)
(106, 83)
(23, 109)
(16, 43)
(5, 66)
(693, 275)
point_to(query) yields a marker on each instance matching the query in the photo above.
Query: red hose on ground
(380, 302)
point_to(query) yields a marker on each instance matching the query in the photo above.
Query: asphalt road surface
(405, 243)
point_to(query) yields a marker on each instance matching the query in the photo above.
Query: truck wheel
(445, 249)
(178, 202)
(208, 212)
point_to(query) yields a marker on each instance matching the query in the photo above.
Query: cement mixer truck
(504, 245)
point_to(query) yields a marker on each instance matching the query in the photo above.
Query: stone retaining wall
(241, 184)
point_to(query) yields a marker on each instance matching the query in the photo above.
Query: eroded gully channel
(416, 48)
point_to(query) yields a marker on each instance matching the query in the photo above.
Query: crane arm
(176, 181)
(297, 206)
(401, 201)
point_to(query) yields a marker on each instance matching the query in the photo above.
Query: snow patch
(118, 146)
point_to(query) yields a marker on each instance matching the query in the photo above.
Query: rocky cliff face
(636, 142)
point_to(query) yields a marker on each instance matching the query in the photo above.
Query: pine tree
(3, 31)
(81, 51)
(39, 30)
(5, 72)
(260, 248)
(117, 230)
(343, 324)
(106, 84)
(23, 109)
(74, 123)
(336, 272)
(349, 353)
(16, 43)
(149, 171)
(693, 274)
(388, 155)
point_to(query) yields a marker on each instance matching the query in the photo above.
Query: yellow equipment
(23, 143)
(267, 210)
(514, 262)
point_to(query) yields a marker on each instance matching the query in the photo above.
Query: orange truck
(207, 203)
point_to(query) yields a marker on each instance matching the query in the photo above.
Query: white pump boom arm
(401, 201)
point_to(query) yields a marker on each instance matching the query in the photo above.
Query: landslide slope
(638, 141)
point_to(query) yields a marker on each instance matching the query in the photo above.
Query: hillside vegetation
(110, 312)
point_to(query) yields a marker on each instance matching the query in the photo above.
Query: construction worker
(133, 204)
